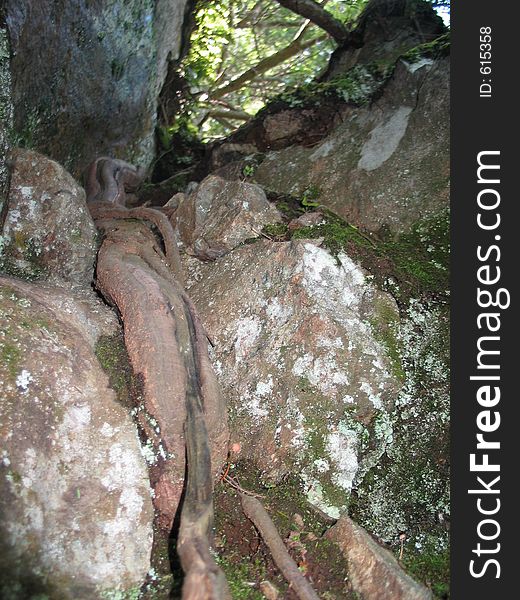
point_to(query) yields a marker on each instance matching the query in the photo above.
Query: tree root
(254, 511)
(183, 416)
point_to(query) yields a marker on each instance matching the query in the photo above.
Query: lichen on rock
(75, 498)
(308, 383)
(48, 232)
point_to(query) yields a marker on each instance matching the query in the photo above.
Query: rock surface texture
(219, 215)
(48, 231)
(96, 91)
(75, 501)
(6, 116)
(308, 385)
(373, 570)
(386, 164)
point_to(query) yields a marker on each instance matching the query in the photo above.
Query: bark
(182, 415)
(319, 16)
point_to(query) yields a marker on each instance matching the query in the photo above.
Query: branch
(234, 115)
(264, 65)
(319, 16)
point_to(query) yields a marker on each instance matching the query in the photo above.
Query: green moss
(131, 594)
(429, 565)
(336, 234)
(276, 230)
(357, 86)
(10, 356)
(435, 49)
(27, 137)
(111, 354)
(421, 257)
(21, 249)
(240, 574)
(385, 326)
(412, 264)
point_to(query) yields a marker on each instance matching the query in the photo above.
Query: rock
(48, 230)
(386, 164)
(308, 385)
(373, 570)
(219, 215)
(309, 219)
(104, 65)
(269, 590)
(75, 506)
(6, 120)
(385, 31)
(409, 489)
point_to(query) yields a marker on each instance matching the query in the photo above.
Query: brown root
(254, 511)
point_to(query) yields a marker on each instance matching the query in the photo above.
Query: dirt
(246, 559)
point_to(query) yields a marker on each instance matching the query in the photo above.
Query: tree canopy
(244, 52)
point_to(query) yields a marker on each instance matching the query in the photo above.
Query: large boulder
(48, 232)
(75, 506)
(386, 163)
(302, 362)
(86, 75)
(219, 215)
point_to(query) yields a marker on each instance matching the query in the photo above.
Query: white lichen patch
(315, 495)
(247, 332)
(23, 380)
(255, 406)
(77, 417)
(384, 139)
(374, 398)
(418, 64)
(342, 449)
(322, 372)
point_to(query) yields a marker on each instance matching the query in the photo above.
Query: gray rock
(86, 75)
(48, 230)
(308, 385)
(385, 164)
(373, 570)
(75, 506)
(222, 214)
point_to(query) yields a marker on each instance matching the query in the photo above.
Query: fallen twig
(262, 521)
(234, 484)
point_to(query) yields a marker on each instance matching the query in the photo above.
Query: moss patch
(435, 49)
(357, 86)
(412, 264)
(429, 564)
(112, 356)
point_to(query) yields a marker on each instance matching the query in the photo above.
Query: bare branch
(318, 15)
(294, 48)
(234, 115)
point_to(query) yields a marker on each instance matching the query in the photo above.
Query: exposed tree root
(254, 511)
(183, 415)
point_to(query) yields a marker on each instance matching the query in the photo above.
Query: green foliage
(434, 49)
(234, 35)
